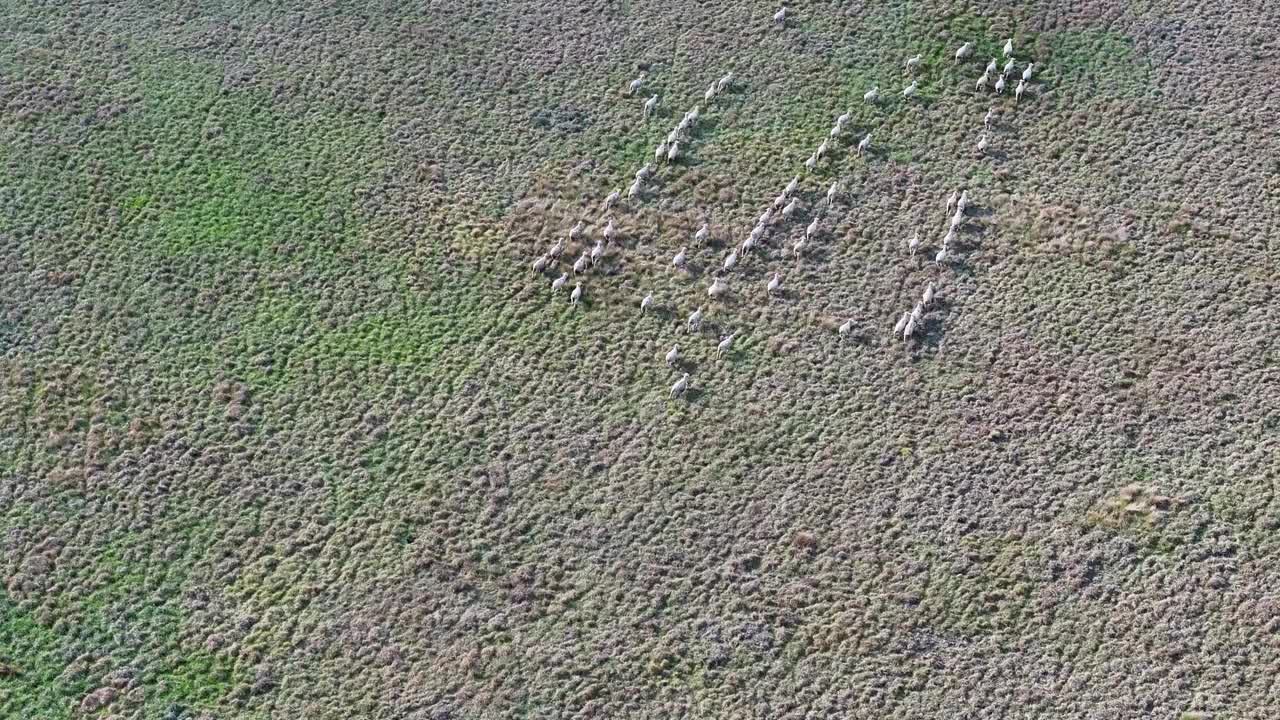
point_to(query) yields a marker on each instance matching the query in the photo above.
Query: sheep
(636, 188)
(634, 86)
(673, 153)
(597, 252)
(792, 186)
(864, 144)
(1008, 67)
(725, 344)
(693, 116)
(902, 323)
(910, 329)
(747, 245)
(965, 51)
(646, 303)
(958, 219)
(952, 200)
(559, 283)
(731, 261)
(673, 355)
(541, 263)
(835, 131)
(718, 288)
(843, 119)
(913, 243)
(778, 202)
(913, 63)
(710, 94)
(660, 152)
(989, 117)
(872, 95)
(949, 238)
(556, 249)
(695, 321)
(775, 284)
(811, 164)
(766, 217)
(992, 66)
(963, 203)
(681, 386)
(725, 82)
(798, 248)
(780, 17)
(1000, 85)
(982, 83)
(832, 193)
(811, 230)
(676, 135)
(650, 106)
(580, 265)
(941, 257)
(822, 150)
(917, 312)
(578, 230)
(910, 90)
(610, 232)
(644, 173)
(703, 233)
(789, 210)
(612, 199)
(983, 144)
(927, 298)
(680, 258)
(576, 295)
(1026, 74)
(1008, 47)
(1017, 93)
(757, 233)
(845, 329)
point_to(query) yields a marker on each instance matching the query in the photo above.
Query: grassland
(288, 428)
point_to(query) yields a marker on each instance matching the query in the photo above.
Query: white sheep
(610, 232)
(798, 248)
(927, 298)
(1008, 67)
(710, 94)
(559, 283)
(646, 303)
(989, 117)
(780, 17)
(1026, 74)
(910, 329)
(812, 229)
(578, 230)
(983, 81)
(703, 233)
(681, 386)
(845, 329)
(757, 233)
(725, 344)
(910, 90)
(695, 321)
(789, 210)
(644, 173)
(576, 295)
(951, 201)
(1022, 87)
(811, 164)
(1000, 85)
(597, 252)
(821, 152)
(913, 63)
(844, 118)
(680, 258)
(949, 238)
(673, 152)
(917, 312)
(941, 257)
(992, 66)
(902, 323)
(731, 261)
(747, 245)
(913, 243)
(673, 355)
(660, 152)
(580, 265)
(832, 193)
(983, 144)
(965, 51)
(612, 199)
(766, 217)
(958, 219)
(634, 86)
(775, 284)
(718, 287)
(864, 144)
(963, 203)
(835, 131)
(556, 249)
(636, 188)
(1008, 47)
(650, 106)
(792, 186)
(541, 263)
(725, 82)
(872, 95)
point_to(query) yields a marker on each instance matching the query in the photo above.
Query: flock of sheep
(780, 211)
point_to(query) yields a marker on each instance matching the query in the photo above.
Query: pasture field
(290, 428)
